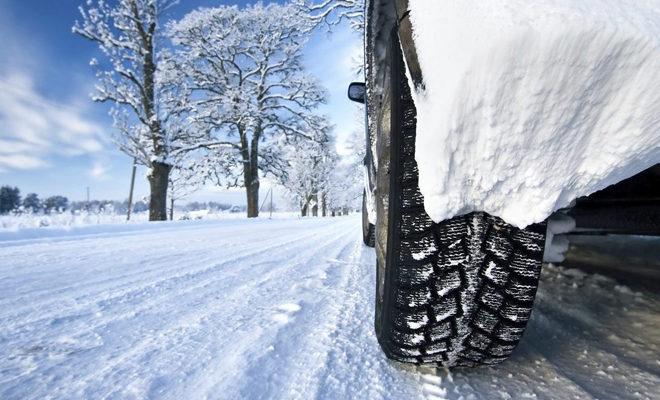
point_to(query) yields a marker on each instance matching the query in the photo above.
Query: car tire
(454, 293)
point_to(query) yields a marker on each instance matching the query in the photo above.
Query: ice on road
(279, 309)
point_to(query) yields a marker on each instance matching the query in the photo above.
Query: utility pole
(263, 203)
(87, 203)
(130, 193)
(271, 203)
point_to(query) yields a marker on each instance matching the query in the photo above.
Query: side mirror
(357, 91)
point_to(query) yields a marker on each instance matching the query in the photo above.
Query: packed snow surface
(527, 105)
(278, 309)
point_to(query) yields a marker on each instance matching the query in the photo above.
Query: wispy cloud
(34, 128)
(98, 171)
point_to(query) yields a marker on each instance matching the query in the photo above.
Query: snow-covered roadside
(30, 226)
(25, 221)
(529, 105)
(280, 309)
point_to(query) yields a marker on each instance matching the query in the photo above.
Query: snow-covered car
(491, 125)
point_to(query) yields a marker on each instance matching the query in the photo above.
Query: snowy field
(279, 309)
(23, 223)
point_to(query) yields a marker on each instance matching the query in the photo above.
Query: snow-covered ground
(527, 105)
(279, 309)
(22, 223)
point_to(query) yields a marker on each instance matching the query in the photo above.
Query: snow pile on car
(527, 105)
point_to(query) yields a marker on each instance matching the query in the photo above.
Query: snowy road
(279, 309)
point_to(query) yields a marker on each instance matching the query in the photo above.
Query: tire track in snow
(336, 230)
(177, 332)
(300, 343)
(145, 282)
(258, 325)
(433, 387)
(143, 273)
(150, 247)
(558, 321)
(329, 350)
(354, 366)
(249, 352)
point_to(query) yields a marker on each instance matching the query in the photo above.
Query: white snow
(489, 269)
(280, 308)
(26, 226)
(418, 324)
(556, 242)
(528, 105)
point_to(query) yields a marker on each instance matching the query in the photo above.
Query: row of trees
(219, 96)
(11, 201)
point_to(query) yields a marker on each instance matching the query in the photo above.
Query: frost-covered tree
(347, 179)
(184, 180)
(56, 204)
(10, 199)
(140, 206)
(132, 79)
(333, 12)
(311, 165)
(248, 88)
(32, 203)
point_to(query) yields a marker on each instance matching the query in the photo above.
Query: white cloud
(34, 128)
(98, 170)
(19, 161)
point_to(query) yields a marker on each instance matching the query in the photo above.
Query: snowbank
(15, 222)
(32, 226)
(528, 105)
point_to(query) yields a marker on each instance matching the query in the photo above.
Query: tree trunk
(158, 180)
(160, 172)
(251, 183)
(250, 156)
(252, 192)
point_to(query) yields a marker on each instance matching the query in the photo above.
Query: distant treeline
(11, 201)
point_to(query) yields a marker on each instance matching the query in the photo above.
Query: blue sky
(55, 140)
